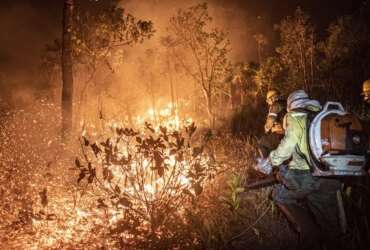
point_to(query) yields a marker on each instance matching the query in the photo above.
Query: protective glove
(263, 165)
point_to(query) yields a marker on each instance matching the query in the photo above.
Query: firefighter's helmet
(366, 90)
(272, 96)
(295, 97)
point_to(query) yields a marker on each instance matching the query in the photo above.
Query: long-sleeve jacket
(294, 145)
(274, 120)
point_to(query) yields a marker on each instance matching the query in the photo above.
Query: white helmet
(300, 99)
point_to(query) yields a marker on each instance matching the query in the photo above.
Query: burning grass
(128, 189)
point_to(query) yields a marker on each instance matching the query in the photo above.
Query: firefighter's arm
(270, 121)
(287, 145)
(272, 124)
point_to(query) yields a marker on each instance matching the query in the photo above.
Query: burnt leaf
(44, 197)
(107, 174)
(117, 189)
(139, 140)
(160, 171)
(78, 163)
(165, 137)
(191, 129)
(96, 149)
(180, 156)
(124, 202)
(180, 142)
(89, 165)
(92, 174)
(51, 217)
(158, 158)
(82, 175)
(163, 130)
(197, 151)
(187, 192)
(197, 188)
(198, 168)
(101, 204)
(86, 141)
(149, 127)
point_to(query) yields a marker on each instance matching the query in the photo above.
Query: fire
(167, 116)
(138, 186)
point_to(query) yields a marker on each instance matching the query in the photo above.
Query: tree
(100, 38)
(261, 41)
(297, 49)
(101, 32)
(208, 50)
(67, 71)
(345, 58)
(271, 74)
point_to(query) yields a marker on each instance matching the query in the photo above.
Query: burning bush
(143, 182)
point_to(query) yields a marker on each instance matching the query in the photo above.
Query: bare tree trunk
(211, 115)
(312, 58)
(173, 106)
(67, 72)
(259, 52)
(153, 99)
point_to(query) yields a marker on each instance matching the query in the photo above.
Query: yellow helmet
(272, 95)
(366, 91)
(366, 87)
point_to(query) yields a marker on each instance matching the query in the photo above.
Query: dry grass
(43, 207)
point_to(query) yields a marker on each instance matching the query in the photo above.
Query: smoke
(229, 16)
(28, 25)
(26, 28)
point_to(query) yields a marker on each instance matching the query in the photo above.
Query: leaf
(160, 171)
(82, 175)
(86, 141)
(124, 202)
(92, 174)
(139, 140)
(197, 151)
(180, 156)
(191, 129)
(163, 130)
(149, 127)
(117, 189)
(198, 189)
(78, 163)
(44, 197)
(96, 149)
(158, 159)
(107, 174)
(198, 168)
(101, 204)
(51, 217)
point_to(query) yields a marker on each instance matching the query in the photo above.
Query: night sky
(27, 25)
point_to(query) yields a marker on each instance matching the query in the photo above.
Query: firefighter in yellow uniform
(274, 131)
(299, 194)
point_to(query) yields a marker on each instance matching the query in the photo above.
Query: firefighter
(299, 194)
(366, 92)
(365, 114)
(274, 131)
